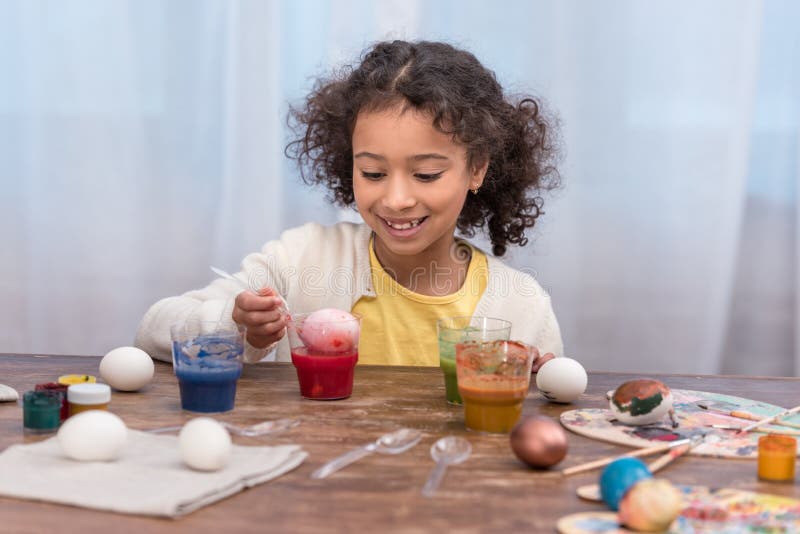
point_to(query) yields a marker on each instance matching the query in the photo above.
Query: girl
(421, 138)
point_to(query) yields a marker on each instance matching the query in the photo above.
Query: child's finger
(539, 362)
(264, 341)
(266, 292)
(250, 302)
(257, 318)
(273, 330)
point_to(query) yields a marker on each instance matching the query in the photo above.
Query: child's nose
(399, 194)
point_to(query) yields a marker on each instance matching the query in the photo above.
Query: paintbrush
(785, 431)
(592, 491)
(673, 454)
(744, 415)
(768, 420)
(588, 466)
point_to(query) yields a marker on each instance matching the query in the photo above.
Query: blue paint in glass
(207, 368)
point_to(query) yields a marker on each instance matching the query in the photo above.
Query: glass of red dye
(324, 369)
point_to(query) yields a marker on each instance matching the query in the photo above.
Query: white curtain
(142, 141)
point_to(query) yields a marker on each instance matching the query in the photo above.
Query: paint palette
(692, 421)
(727, 510)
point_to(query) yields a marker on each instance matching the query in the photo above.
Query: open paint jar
(83, 397)
(61, 390)
(41, 411)
(776, 457)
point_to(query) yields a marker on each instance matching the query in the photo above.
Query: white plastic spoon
(263, 428)
(392, 443)
(446, 451)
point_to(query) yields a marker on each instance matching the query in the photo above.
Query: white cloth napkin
(149, 478)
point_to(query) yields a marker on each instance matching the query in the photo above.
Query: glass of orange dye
(493, 380)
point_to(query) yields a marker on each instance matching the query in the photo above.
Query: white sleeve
(267, 268)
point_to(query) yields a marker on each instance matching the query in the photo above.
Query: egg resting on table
(539, 441)
(642, 402)
(127, 368)
(561, 380)
(93, 436)
(330, 330)
(205, 444)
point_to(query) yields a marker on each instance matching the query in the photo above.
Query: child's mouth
(405, 228)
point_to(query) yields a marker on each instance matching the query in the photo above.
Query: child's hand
(261, 316)
(540, 361)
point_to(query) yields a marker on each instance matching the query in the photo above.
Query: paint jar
(82, 397)
(41, 411)
(61, 389)
(776, 457)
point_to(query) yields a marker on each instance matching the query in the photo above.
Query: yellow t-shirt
(398, 326)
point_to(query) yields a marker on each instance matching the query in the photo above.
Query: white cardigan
(315, 266)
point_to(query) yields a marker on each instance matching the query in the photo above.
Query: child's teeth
(405, 226)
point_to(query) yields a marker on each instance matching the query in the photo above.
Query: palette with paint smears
(728, 510)
(692, 421)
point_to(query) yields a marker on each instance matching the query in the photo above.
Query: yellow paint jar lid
(68, 380)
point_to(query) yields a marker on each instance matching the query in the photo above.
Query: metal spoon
(392, 443)
(446, 451)
(258, 429)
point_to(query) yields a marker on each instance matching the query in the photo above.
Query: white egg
(205, 444)
(93, 436)
(561, 380)
(127, 368)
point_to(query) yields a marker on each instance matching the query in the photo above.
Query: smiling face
(410, 182)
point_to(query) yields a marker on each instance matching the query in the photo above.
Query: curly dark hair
(464, 100)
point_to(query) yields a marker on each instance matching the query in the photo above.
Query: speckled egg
(650, 505)
(641, 402)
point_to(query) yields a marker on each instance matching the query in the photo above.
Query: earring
(475, 191)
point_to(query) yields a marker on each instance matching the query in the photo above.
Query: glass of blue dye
(207, 359)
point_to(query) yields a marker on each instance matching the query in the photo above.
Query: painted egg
(650, 505)
(205, 444)
(561, 380)
(330, 330)
(93, 436)
(619, 476)
(641, 402)
(127, 368)
(539, 441)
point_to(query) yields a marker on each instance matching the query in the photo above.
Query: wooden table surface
(491, 491)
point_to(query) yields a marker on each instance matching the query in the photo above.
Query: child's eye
(372, 175)
(428, 177)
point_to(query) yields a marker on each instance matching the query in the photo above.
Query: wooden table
(491, 491)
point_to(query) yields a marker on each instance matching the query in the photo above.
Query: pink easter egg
(330, 330)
